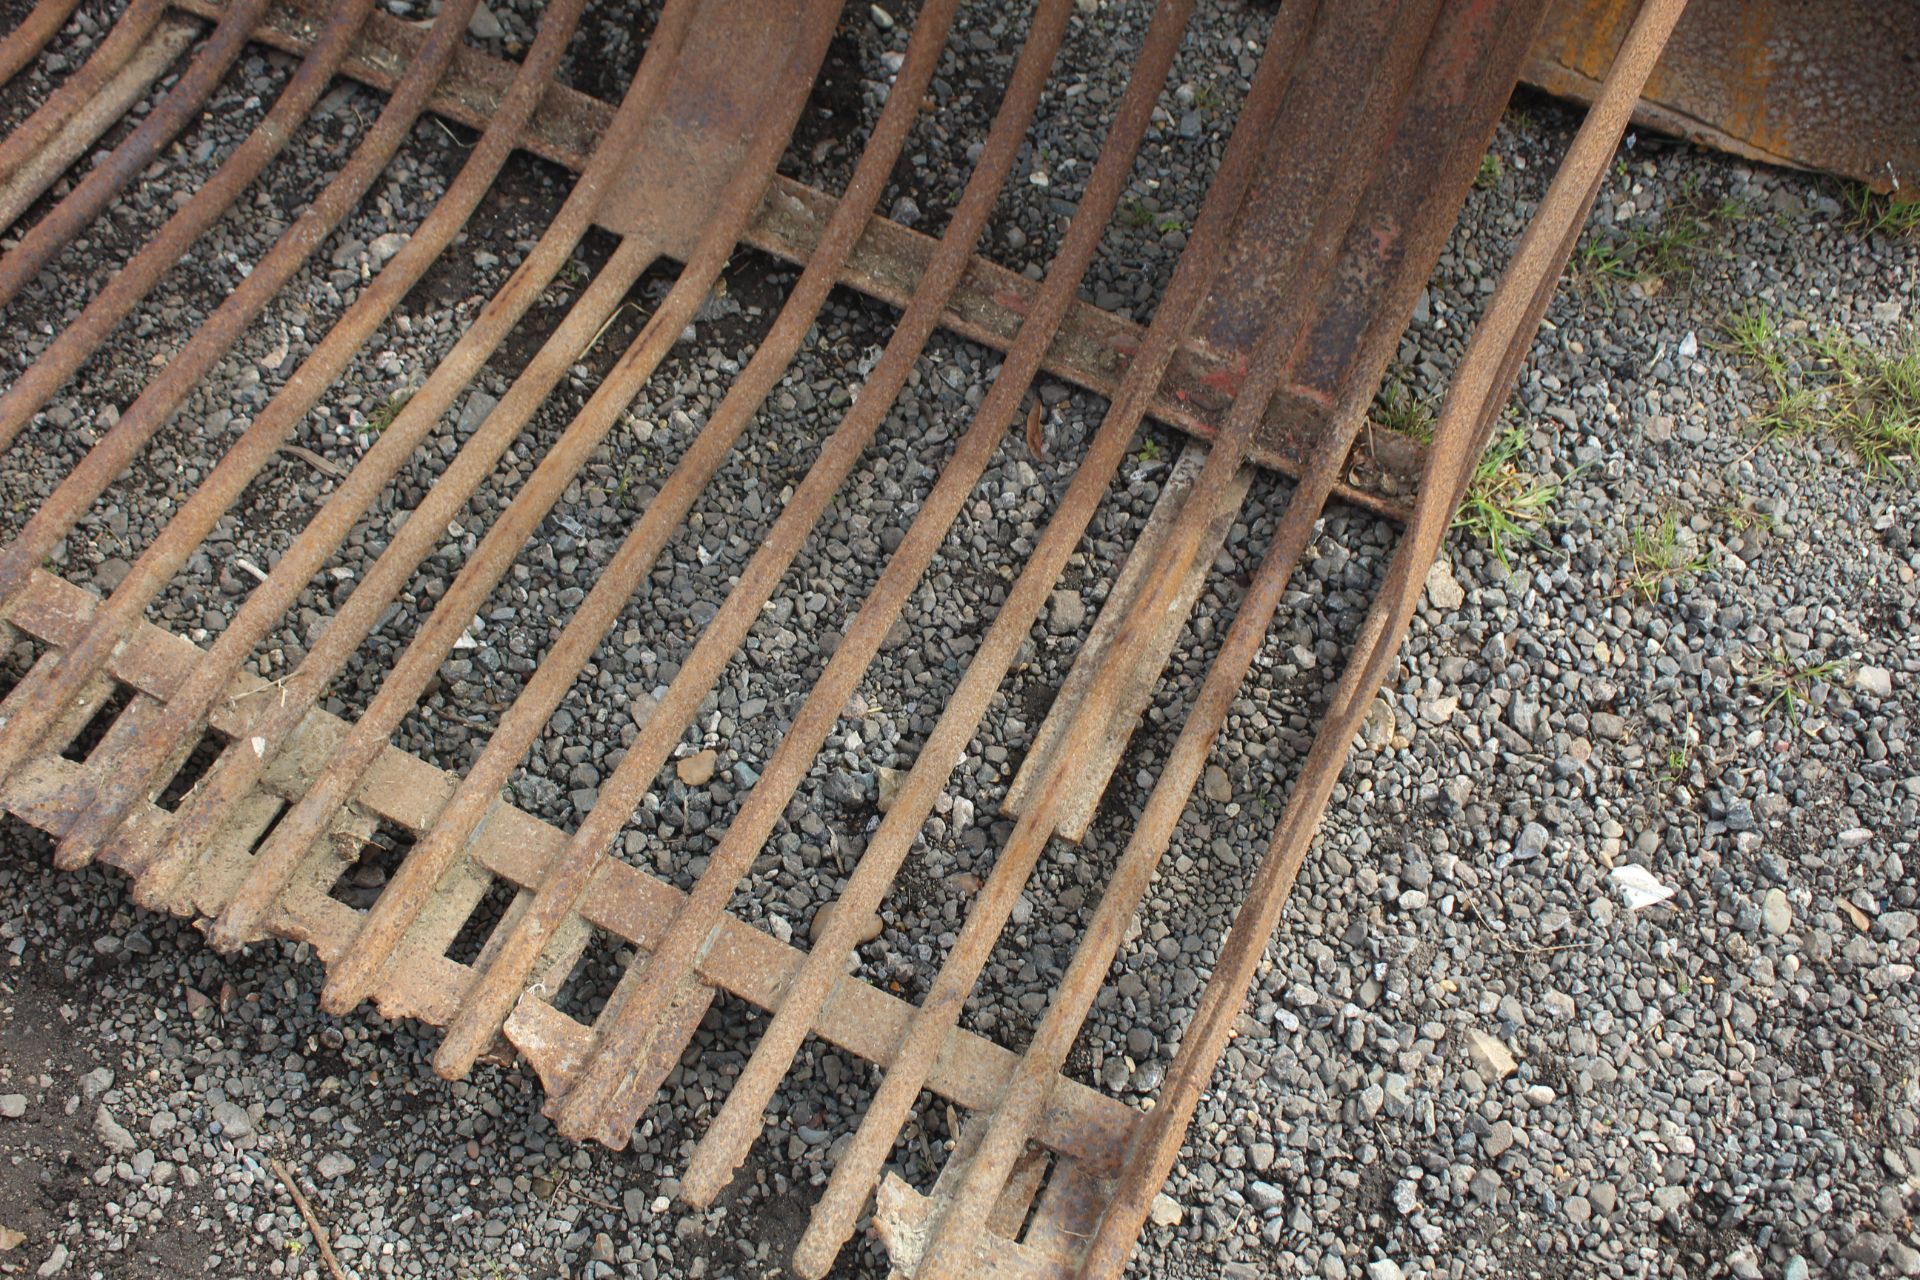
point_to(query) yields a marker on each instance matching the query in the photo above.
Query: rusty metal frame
(1268, 345)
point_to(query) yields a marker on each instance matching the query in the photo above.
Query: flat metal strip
(1116, 669)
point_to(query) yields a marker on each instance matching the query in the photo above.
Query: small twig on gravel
(597, 1202)
(1511, 949)
(325, 466)
(1868, 1041)
(281, 1172)
(608, 324)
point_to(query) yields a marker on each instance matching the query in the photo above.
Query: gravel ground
(1468, 1053)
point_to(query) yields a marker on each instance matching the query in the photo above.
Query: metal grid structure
(1354, 148)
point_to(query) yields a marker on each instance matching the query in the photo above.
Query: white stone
(1490, 1055)
(1877, 681)
(1443, 591)
(1775, 912)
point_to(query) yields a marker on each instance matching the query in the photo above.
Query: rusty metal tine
(271, 428)
(23, 184)
(24, 43)
(492, 997)
(859, 1166)
(281, 857)
(53, 683)
(199, 819)
(352, 980)
(182, 103)
(170, 244)
(734, 1130)
(82, 86)
(1500, 340)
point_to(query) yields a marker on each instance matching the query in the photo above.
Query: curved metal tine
(91, 195)
(83, 86)
(492, 997)
(24, 43)
(137, 773)
(1480, 386)
(292, 840)
(80, 339)
(353, 978)
(37, 701)
(740, 1120)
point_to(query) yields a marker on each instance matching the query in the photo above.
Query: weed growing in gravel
(1491, 171)
(1505, 504)
(1679, 763)
(1396, 409)
(1873, 400)
(1870, 213)
(1833, 383)
(1754, 335)
(1135, 215)
(383, 416)
(1659, 557)
(1790, 685)
(1668, 250)
(1739, 516)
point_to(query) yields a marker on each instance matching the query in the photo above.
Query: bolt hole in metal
(654, 378)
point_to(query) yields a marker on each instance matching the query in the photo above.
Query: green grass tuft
(1789, 684)
(1660, 556)
(1833, 384)
(383, 416)
(1396, 409)
(1505, 505)
(1871, 214)
(1668, 250)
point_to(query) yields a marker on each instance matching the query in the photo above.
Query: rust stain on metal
(1353, 150)
(1832, 86)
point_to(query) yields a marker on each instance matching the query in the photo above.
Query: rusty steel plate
(1831, 85)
